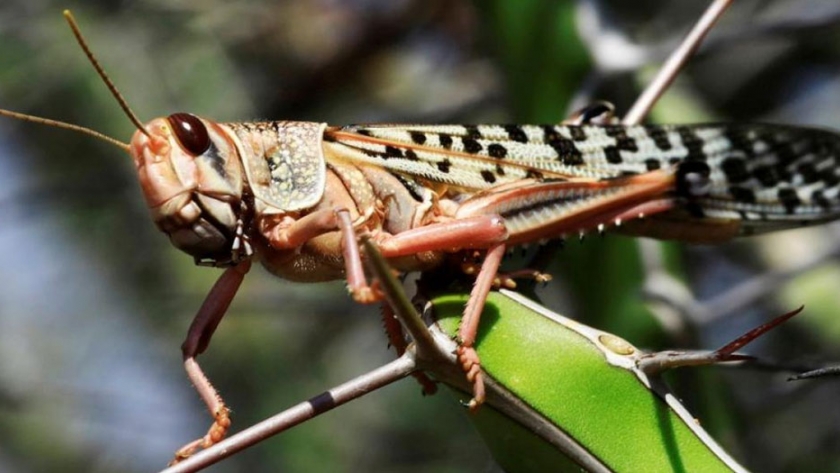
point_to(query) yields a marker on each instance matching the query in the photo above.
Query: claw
(471, 364)
(366, 295)
(214, 435)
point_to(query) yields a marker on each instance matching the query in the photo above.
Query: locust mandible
(296, 195)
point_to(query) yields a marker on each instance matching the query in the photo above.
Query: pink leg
(356, 281)
(468, 330)
(198, 338)
(318, 223)
(481, 231)
(300, 231)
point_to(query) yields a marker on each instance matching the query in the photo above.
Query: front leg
(198, 339)
(290, 234)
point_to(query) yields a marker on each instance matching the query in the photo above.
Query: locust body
(296, 194)
(256, 184)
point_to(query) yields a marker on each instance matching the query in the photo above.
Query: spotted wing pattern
(763, 175)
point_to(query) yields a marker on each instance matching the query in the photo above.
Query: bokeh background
(94, 302)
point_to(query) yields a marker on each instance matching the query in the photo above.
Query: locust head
(191, 177)
(190, 172)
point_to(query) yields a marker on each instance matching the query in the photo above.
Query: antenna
(65, 125)
(77, 128)
(116, 93)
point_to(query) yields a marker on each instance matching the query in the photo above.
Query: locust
(295, 196)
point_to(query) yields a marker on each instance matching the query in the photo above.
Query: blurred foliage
(95, 301)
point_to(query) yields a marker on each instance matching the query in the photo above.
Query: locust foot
(366, 294)
(471, 364)
(214, 435)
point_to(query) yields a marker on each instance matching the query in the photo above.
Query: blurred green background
(94, 301)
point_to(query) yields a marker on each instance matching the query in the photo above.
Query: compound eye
(191, 133)
(693, 179)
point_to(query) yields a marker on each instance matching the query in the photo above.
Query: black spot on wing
(808, 172)
(495, 150)
(565, 148)
(692, 142)
(577, 133)
(444, 165)
(789, 199)
(742, 194)
(488, 176)
(471, 145)
(766, 175)
(652, 164)
(615, 131)
(785, 174)
(418, 137)
(829, 177)
(533, 174)
(411, 155)
(740, 140)
(445, 140)
(659, 137)
(622, 141)
(626, 144)
(735, 170)
(516, 133)
(828, 146)
(612, 154)
(786, 155)
(693, 179)
(472, 132)
(392, 152)
(819, 198)
(371, 153)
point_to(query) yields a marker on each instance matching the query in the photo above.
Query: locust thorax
(191, 176)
